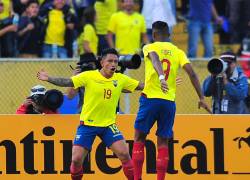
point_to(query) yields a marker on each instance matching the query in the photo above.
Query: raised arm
(159, 69)
(63, 82)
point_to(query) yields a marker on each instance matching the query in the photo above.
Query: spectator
(29, 41)
(19, 6)
(200, 16)
(59, 19)
(239, 19)
(129, 29)
(104, 10)
(88, 40)
(223, 30)
(158, 10)
(79, 6)
(8, 30)
(7, 10)
(34, 103)
(229, 93)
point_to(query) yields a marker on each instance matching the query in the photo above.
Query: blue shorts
(154, 109)
(85, 135)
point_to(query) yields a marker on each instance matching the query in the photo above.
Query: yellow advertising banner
(207, 147)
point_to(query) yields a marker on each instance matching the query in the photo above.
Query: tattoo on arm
(63, 82)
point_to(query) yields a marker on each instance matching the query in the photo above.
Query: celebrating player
(102, 92)
(157, 102)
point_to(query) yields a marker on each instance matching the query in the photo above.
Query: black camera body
(88, 61)
(86, 66)
(217, 66)
(51, 100)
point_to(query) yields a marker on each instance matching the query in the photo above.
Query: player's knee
(123, 155)
(77, 160)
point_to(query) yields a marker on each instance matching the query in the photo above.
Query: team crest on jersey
(136, 22)
(166, 52)
(115, 83)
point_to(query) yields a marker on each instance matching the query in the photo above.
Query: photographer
(228, 88)
(41, 101)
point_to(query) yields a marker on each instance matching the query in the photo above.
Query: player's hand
(203, 104)
(43, 75)
(164, 86)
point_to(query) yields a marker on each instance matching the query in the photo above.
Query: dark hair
(89, 16)
(108, 51)
(161, 27)
(31, 2)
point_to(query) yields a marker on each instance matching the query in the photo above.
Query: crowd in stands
(68, 28)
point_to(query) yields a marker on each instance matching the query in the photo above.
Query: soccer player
(102, 92)
(157, 102)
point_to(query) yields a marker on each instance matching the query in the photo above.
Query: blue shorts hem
(114, 140)
(83, 146)
(141, 129)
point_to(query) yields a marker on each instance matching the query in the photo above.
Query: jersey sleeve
(129, 83)
(147, 49)
(80, 79)
(183, 58)
(88, 33)
(112, 23)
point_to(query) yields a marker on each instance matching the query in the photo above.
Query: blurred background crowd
(68, 28)
(55, 33)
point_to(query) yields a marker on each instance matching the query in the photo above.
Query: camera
(86, 66)
(51, 100)
(88, 61)
(129, 61)
(217, 66)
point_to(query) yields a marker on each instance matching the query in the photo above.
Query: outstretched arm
(195, 81)
(63, 82)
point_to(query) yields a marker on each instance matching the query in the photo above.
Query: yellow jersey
(6, 9)
(89, 35)
(56, 28)
(171, 58)
(101, 96)
(127, 29)
(104, 11)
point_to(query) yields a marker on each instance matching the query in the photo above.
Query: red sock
(138, 159)
(76, 172)
(162, 162)
(128, 169)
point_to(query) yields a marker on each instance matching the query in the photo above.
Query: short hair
(161, 27)
(89, 15)
(228, 56)
(107, 51)
(31, 2)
